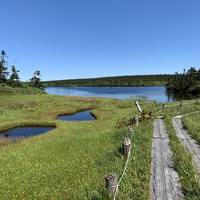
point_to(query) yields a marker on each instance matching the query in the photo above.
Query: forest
(186, 82)
(117, 81)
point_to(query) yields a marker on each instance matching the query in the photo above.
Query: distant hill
(116, 81)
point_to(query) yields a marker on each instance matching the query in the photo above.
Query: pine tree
(187, 81)
(3, 69)
(14, 77)
(35, 81)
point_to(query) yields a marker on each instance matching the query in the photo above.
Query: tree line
(117, 81)
(187, 82)
(12, 78)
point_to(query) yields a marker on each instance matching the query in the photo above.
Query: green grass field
(24, 89)
(71, 161)
(192, 123)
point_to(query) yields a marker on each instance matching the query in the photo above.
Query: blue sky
(93, 38)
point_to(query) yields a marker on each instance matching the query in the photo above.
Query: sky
(67, 39)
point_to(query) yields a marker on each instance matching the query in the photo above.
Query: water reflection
(181, 96)
(25, 131)
(78, 116)
(152, 93)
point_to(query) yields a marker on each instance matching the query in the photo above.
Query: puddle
(25, 131)
(78, 116)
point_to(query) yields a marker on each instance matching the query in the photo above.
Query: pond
(78, 116)
(25, 131)
(158, 94)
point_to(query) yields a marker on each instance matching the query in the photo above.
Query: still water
(25, 131)
(158, 94)
(78, 116)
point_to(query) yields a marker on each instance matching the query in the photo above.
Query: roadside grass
(182, 159)
(192, 124)
(71, 161)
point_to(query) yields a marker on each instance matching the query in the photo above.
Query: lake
(158, 94)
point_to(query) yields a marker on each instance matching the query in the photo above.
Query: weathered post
(126, 146)
(181, 103)
(130, 129)
(137, 119)
(111, 182)
(138, 106)
(163, 106)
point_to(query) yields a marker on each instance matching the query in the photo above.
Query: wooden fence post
(111, 182)
(130, 129)
(137, 120)
(126, 146)
(138, 106)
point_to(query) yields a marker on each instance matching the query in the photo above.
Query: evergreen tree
(188, 81)
(198, 75)
(35, 81)
(14, 77)
(3, 68)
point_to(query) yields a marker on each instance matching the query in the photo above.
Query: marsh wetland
(72, 160)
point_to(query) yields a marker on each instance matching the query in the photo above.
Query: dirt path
(164, 179)
(187, 141)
